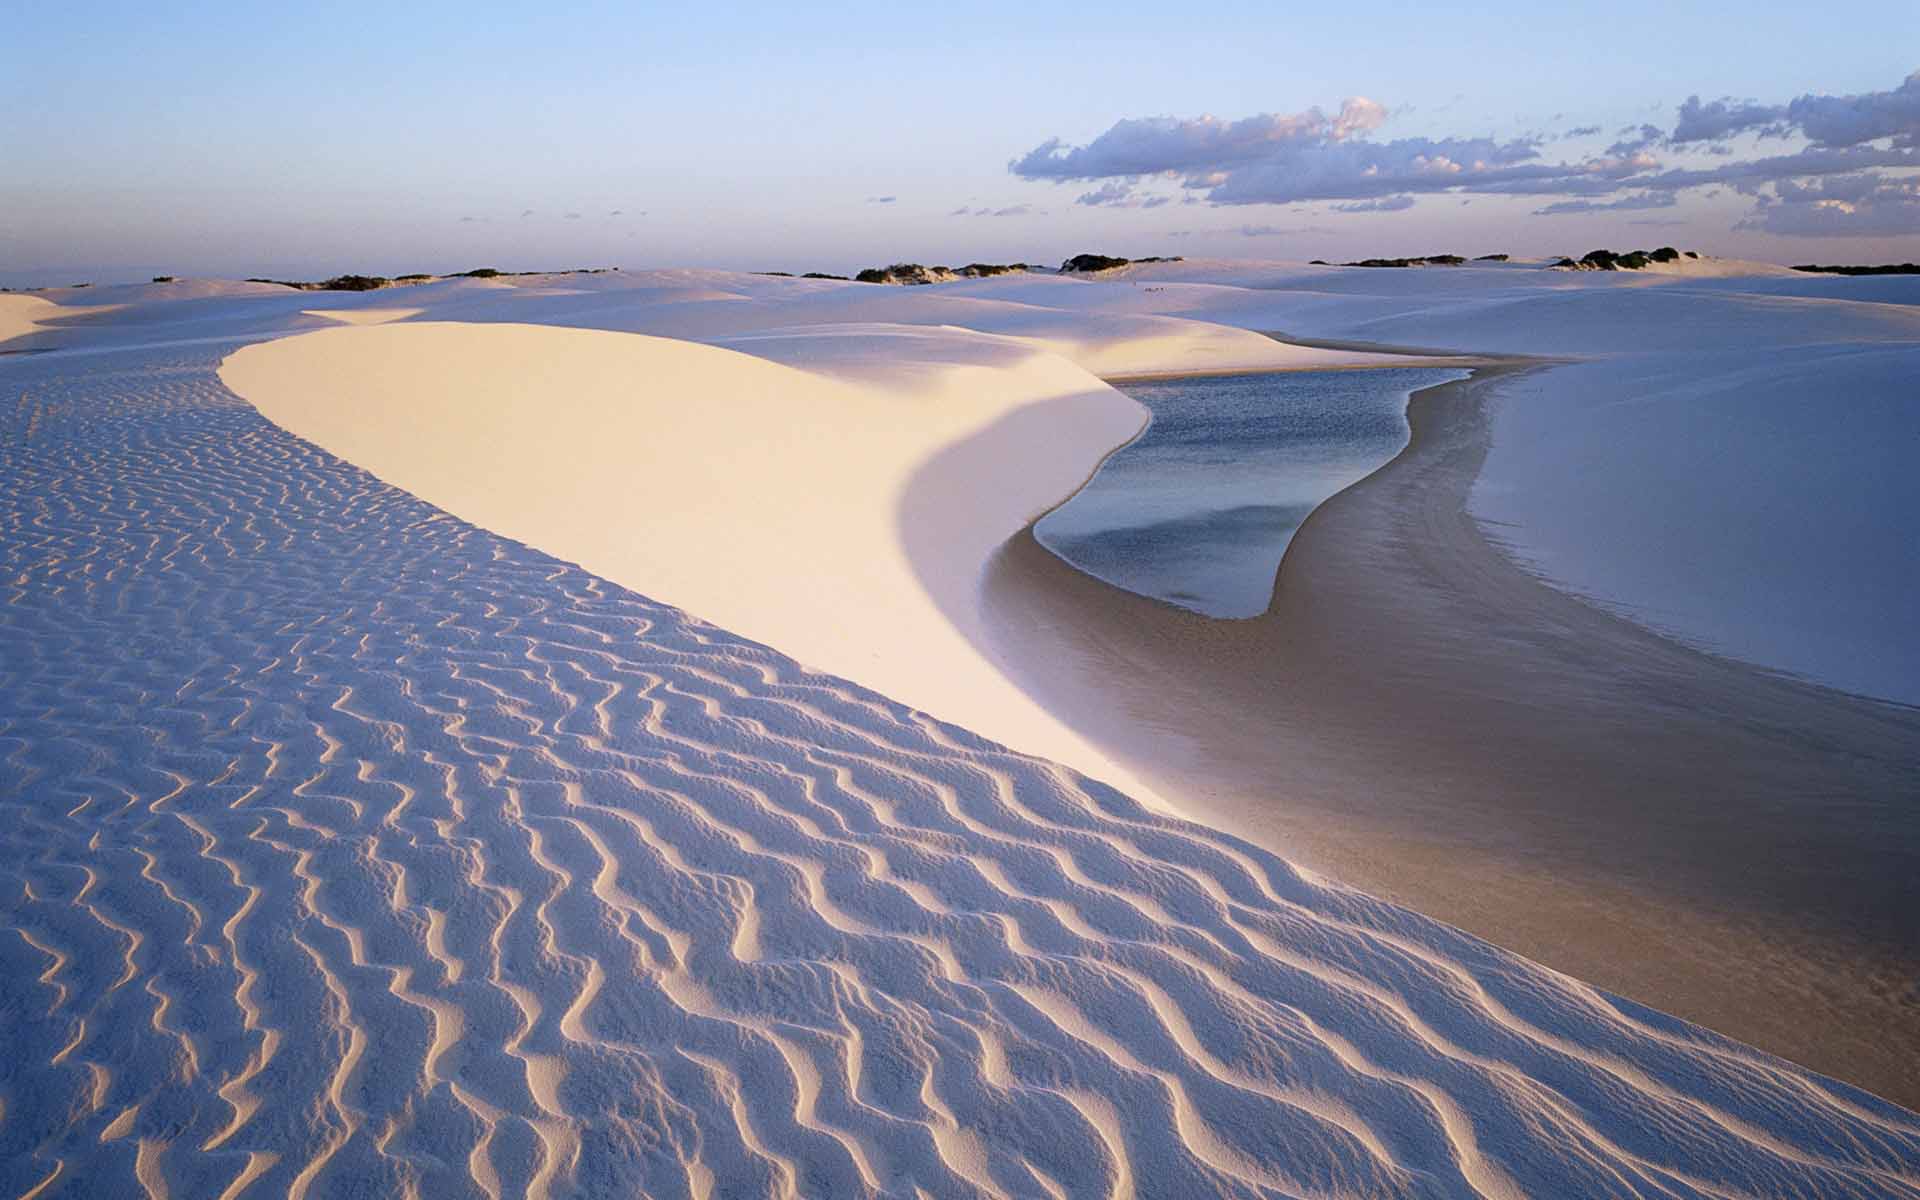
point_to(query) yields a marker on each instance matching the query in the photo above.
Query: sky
(300, 141)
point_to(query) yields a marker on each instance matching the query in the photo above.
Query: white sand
(770, 500)
(20, 315)
(352, 849)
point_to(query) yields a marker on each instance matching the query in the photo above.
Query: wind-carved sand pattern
(349, 849)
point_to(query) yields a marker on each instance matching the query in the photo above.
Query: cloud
(1254, 231)
(1866, 205)
(1723, 118)
(573, 216)
(1638, 200)
(1384, 204)
(1581, 131)
(1851, 120)
(881, 199)
(1012, 210)
(1152, 145)
(1313, 157)
(1823, 120)
(1634, 139)
(1109, 195)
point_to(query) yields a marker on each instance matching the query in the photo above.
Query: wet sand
(1417, 716)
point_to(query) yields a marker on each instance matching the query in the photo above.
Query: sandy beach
(1421, 717)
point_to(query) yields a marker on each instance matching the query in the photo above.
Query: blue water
(1198, 510)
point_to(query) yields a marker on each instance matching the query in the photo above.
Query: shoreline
(1346, 730)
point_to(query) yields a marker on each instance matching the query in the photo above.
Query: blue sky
(240, 139)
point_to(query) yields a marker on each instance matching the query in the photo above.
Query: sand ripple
(347, 849)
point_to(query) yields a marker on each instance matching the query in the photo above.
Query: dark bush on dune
(1881, 269)
(1632, 260)
(163, 279)
(479, 273)
(1427, 260)
(355, 283)
(1491, 258)
(823, 275)
(906, 273)
(417, 277)
(1084, 264)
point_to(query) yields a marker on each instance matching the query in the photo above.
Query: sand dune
(350, 848)
(21, 315)
(764, 497)
(817, 514)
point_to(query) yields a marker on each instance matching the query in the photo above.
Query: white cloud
(1308, 157)
(1864, 205)
(1385, 204)
(1638, 200)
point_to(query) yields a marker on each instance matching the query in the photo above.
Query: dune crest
(764, 497)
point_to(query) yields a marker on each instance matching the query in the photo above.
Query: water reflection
(1199, 509)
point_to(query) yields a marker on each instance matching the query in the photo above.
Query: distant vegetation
(906, 273)
(355, 283)
(1632, 260)
(1882, 269)
(1087, 264)
(1429, 260)
(915, 273)
(1491, 258)
(163, 279)
(823, 275)
(373, 283)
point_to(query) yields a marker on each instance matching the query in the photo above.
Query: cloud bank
(1836, 182)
